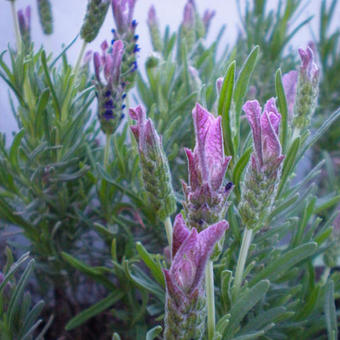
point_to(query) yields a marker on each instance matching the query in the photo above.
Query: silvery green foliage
(94, 18)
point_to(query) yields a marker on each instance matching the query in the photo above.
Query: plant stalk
(16, 26)
(168, 230)
(107, 151)
(242, 258)
(80, 57)
(209, 284)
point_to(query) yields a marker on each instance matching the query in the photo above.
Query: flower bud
(45, 16)
(24, 19)
(307, 89)
(207, 17)
(94, 18)
(153, 25)
(185, 294)
(154, 164)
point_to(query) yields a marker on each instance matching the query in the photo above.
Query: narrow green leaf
(224, 105)
(330, 311)
(245, 303)
(282, 104)
(284, 262)
(153, 333)
(94, 310)
(13, 153)
(14, 302)
(241, 87)
(154, 266)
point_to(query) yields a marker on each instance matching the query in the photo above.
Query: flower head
(110, 89)
(265, 128)
(191, 251)
(206, 197)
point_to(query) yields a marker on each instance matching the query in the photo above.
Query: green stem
(16, 26)
(246, 241)
(325, 275)
(168, 230)
(209, 284)
(107, 151)
(80, 57)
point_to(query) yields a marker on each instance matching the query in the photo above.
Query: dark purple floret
(228, 186)
(136, 49)
(134, 23)
(123, 84)
(113, 30)
(108, 114)
(112, 41)
(136, 37)
(107, 93)
(109, 104)
(123, 106)
(124, 96)
(122, 116)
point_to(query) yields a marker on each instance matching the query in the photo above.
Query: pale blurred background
(68, 17)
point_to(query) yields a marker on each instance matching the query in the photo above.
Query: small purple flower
(308, 69)
(219, 83)
(146, 136)
(207, 17)
(152, 18)
(24, 19)
(123, 12)
(191, 251)
(189, 16)
(109, 62)
(289, 81)
(265, 128)
(1, 277)
(207, 164)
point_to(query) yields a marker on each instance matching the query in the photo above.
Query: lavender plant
(93, 194)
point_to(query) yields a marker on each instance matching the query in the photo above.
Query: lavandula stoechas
(154, 165)
(263, 173)
(109, 89)
(126, 31)
(185, 307)
(24, 20)
(206, 193)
